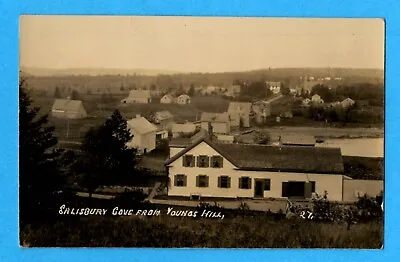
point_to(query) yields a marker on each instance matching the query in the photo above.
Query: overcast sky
(199, 44)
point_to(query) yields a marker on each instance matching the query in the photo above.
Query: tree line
(371, 93)
(44, 169)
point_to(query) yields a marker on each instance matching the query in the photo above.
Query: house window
(217, 162)
(245, 182)
(267, 184)
(202, 181)
(203, 161)
(188, 161)
(224, 182)
(180, 180)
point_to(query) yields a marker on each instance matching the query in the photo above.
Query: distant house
(183, 99)
(262, 110)
(275, 87)
(316, 99)
(306, 102)
(220, 122)
(293, 91)
(144, 134)
(164, 118)
(69, 109)
(167, 99)
(182, 129)
(297, 140)
(347, 102)
(137, 96)
(206, 168)
(233, 91)
(243, 110)
(210, 90)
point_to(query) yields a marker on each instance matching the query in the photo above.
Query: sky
(199, 44)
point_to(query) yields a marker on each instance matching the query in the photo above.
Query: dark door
(259, 188)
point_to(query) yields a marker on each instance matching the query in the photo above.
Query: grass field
(166, 231)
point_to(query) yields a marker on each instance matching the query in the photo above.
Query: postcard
(201, 132)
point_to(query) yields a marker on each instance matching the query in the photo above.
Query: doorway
(259, 188)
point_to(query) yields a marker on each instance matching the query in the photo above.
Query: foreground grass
(253, 232)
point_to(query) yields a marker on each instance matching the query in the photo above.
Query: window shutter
(240, 182)
(175, 180)
(197, 181)
(228, 182)
(312, 186)
(249, 183)
(285, 189)
(219, 181)
(184, 161)
(221, 162)
(207, 161)
(206, 181)
(184, 180)
(192, 162)
(307, 190)
(198, 161)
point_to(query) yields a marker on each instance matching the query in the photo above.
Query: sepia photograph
(201, 132)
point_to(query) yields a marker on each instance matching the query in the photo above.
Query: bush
(364, 210)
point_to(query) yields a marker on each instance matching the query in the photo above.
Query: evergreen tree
(106, 158)
(75, 95)
(57, 93)
(39, 176)
(191, 91)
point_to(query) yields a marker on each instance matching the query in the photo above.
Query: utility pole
(67, 128)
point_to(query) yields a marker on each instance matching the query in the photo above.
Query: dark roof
(180, 142)
(276, 158)
(201, 134)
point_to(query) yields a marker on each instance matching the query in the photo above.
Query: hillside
(40, 72)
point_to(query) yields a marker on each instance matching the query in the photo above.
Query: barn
(69, 109)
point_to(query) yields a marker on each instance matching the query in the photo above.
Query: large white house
(144, 134)
(207, 168)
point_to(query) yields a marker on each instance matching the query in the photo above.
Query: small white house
(137, 96)
(210, 169)
(183, 99)
(220, 122)
(240, 113)
(275, 87)
(316, 99)
(144, 134)
(348, 102)
(306, 102)
(167, 99)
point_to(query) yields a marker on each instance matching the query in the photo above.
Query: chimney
(137, 115)
(210, 130)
